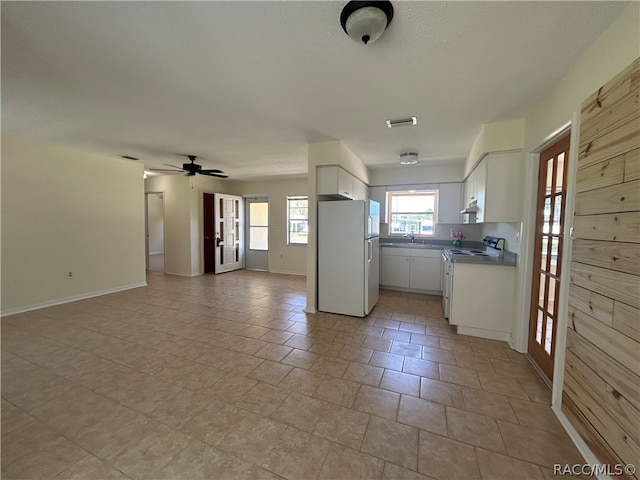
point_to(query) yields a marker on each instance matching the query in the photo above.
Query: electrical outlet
(69, 274)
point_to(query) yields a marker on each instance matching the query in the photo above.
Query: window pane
(412, 213)
(259, 238)
(259, 214)
(297, 220)
(560, 173)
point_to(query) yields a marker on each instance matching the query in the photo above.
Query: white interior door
(229, 239)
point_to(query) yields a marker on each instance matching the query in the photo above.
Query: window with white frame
(412, 212)
(297, 220)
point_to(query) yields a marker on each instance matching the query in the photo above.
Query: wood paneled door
(552, 191)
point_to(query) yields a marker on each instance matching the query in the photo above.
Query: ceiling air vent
(402, 122)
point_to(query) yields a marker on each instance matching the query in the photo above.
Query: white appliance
(348, 256)
(493, 247)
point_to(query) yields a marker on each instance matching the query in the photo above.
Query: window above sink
(412, 213)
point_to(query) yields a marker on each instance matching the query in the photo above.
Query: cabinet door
(479, 187)
(394, 271)
(426, 273)
(449, 202)
(345, 183)
(335, 182)
(360, 191)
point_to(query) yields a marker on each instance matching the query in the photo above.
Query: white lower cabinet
(411, 268)
(426, 273)
(482, 300)
(395, 267)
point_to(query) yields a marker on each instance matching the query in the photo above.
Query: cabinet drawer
(396, 252)
(426, 253)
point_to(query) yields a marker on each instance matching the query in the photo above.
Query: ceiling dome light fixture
(366, 21)
(408, 158)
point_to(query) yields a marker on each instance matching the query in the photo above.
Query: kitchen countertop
(429, 246)
(508, 259)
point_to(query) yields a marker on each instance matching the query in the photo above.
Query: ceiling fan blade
(174, 166)
(211, 171)
(164, 170)
(219, 175)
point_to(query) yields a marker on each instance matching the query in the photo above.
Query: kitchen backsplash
(443, 231)
(511, 232)
(475, 232)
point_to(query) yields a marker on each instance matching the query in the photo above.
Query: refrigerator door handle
(369, 251)
(370, 226)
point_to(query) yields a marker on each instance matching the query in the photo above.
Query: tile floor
(225, 377)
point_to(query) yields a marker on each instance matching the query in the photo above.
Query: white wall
(412, 174)
(66, 210)
(155, 222)
(283, 258)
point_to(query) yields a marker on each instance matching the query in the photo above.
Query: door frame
(521, 330)
(247, 238)
(146, 228)
(543, 360)
(240, 264)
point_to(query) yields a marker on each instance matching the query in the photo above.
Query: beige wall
(283, 258)
(65, 210)
(183, 218)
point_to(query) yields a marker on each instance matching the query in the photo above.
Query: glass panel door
(552, 189)
(257, 231)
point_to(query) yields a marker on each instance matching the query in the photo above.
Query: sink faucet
(412, 236)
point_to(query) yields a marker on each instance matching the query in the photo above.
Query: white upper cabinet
(360, 190)
(335, 182)
(449, 203)
(495, 184)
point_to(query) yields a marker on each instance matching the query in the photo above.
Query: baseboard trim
(283, 272)
(74, 298)
(585, 451)
(480, 332)
(183, 274)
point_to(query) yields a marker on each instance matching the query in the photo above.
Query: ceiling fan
(191, 169)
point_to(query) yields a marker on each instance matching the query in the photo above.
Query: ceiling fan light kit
(192, 168)
(366, 21)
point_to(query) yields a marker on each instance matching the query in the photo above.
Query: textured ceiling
(247, 85)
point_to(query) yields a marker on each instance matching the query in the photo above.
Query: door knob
(206, 238)
(219, 242)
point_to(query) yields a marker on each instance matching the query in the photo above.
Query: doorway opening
(547, 260)
(257, 233)
(154, 245)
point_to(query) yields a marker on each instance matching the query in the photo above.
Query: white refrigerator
(348, 256)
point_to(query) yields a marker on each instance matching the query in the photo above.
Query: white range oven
(493, 247)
